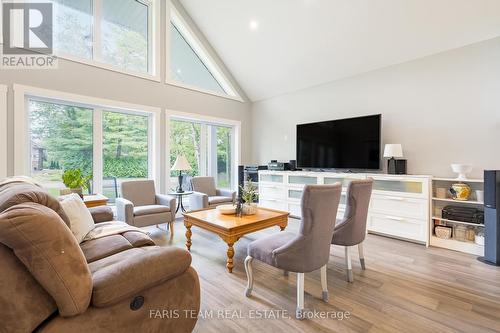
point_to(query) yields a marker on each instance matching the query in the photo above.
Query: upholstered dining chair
(351, 229)
(206, 195)
(141, 206)
(306, 251)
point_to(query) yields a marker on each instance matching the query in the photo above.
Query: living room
(308, 165)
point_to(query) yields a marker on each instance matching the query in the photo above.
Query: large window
(189, 62)
(187, 67)
(125, 150)
(69, 136)
(208, 148)
(73, 27)
(185, 139)
(61, 138)
(124, 34)
(114, 32)
(224, 166)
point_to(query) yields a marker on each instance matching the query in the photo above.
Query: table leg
(230, 255)
(182, 205)
(188, 236)
(283, 225)
(179, 203)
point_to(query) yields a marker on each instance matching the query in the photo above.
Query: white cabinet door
(399, 206)
(273, 204)
(272, 192)
(408, 228)
(407, 187)
(295, 209)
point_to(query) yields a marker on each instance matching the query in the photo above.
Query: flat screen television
(352, 143)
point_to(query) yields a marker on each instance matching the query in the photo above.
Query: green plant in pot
(75, 181)
(249, 195)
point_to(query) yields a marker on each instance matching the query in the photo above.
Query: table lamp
(395, 166)
(181, 164)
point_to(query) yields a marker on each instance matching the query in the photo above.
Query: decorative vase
(460, 191)
(249, 208)
(66, 191)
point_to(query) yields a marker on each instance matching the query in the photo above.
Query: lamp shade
(393, 150)
(181, 164)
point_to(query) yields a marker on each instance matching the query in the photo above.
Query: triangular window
(190, 64)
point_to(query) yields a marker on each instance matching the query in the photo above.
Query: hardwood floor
(405, 288)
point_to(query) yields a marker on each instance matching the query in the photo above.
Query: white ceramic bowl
(462, 170)
(226, 209)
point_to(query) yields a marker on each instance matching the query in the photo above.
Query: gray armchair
(205, 194)
(140, 206)
(351, 229)
(304, 252)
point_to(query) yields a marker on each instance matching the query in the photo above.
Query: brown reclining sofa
(118, 283)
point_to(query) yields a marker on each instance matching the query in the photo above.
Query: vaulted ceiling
(273, 47)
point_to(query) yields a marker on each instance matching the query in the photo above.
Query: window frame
(154, 47)
(3, 131)
(173, 16)
(235, 125)
(22, 144)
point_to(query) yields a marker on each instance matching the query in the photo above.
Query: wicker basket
(443, 232)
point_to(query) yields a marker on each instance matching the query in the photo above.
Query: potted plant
(74, 181)
(249, 195)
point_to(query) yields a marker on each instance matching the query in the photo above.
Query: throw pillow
(80, 219)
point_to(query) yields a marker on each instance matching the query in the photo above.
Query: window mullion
(98, 165)
(204, 158)
(97, 45)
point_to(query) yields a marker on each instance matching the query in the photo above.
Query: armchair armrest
(198, 200)
(128, 278)
(101, 214)
(227, 193)
(125, 210)
(167, 200)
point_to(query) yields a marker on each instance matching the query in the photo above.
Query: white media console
(399, 206)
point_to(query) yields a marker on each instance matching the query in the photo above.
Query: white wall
(443, 109)
(76, 78)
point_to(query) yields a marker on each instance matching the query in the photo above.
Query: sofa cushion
(150, 209)
(138, 239)
(12, 194)
(32, 303)
(139, 192)
(216, 200)
(80, 220)
(103, 247)
(141, 271)
(45, 245)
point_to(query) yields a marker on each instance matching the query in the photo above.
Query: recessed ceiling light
(179, 71)
(254, 25)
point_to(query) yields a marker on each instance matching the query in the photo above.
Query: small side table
(179, 196)
(95, 200)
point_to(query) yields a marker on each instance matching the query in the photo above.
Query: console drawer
(408, 228)
(272, 192)
(400, 206)
(273, 204)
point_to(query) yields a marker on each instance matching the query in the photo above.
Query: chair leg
(248, 269)
(350, 277)
(361, 256)
(299, 313)
(324, 284)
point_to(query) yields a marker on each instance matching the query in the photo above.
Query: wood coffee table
(230, 228)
